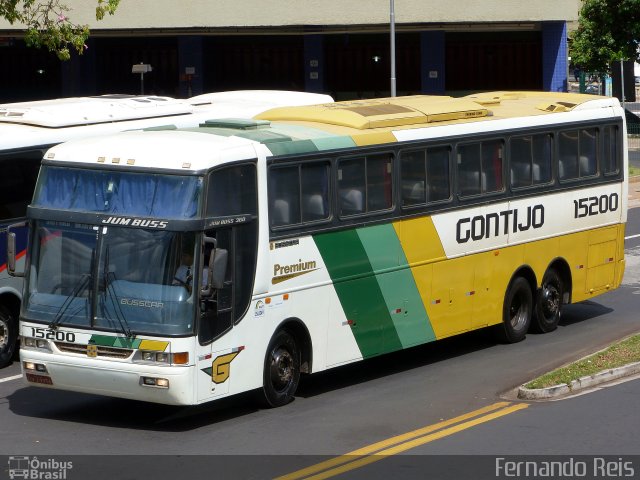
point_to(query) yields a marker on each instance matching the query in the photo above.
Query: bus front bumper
(103, 377)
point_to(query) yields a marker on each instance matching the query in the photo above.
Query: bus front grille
(102, 351)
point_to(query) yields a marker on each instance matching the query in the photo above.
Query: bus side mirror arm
(11, 250)
(217, 268)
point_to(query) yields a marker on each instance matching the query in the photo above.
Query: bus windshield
(111, 278)
(137, 194)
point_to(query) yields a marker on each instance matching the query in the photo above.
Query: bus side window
(530, 160)
(568, 155)
(314, 186)
(284, 193)
(379, 185)
(610, 160)
(541, 158)
(299, 194)
(438, 185)
(588, 158)
(492, 166)
(413, 176)
(469, 169)
(352, 186)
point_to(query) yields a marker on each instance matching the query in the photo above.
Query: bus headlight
(30, 342)
(180, 358)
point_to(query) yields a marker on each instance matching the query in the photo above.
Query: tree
(47, 23)
(608, 31)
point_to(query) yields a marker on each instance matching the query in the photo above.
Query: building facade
(332, 46)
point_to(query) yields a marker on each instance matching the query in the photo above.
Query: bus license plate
(39, 379)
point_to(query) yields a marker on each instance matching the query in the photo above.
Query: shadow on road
(128, 414)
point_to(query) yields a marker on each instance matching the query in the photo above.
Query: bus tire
(548, 303)
(8, 336)
(516, 311)
(281, 370)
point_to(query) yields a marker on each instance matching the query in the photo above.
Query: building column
(314, 63)
(78, 74)
(190, 65)
(432, 62)
(554, 56)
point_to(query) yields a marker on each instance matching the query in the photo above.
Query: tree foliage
(48, 26)
(608, 31)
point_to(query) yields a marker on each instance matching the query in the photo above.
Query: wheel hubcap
(550, 300)
(4, 334)
(281, 368)
(517, 312)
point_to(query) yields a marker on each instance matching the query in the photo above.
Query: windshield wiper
(113, 296)
(79, 287)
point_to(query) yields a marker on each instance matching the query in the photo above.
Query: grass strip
(619, 354)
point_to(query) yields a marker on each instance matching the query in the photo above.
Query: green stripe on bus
(359, 292)
(332, 143)
(397, 284)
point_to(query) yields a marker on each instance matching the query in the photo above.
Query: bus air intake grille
(102, 351)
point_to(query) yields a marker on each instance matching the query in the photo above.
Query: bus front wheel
(548, 303)
(281, 369)
(8, 336)
(516, 312)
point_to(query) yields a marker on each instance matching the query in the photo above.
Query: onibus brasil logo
(38, 469)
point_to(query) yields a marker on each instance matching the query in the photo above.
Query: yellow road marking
(400, 443)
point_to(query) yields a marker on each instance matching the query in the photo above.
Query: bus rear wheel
(548, 303)
(281, 370)
(516, 311)
(8, 336)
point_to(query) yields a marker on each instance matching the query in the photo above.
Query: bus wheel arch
(9, 311)
(554, 291)
(288, 355)
(517, 310)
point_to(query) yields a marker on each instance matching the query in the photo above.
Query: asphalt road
(367, 405)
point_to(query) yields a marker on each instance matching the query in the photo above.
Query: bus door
(227, 270)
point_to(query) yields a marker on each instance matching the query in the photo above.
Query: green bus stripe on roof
(397, 284)
(292, 147)
(358, 292)
(333, 143)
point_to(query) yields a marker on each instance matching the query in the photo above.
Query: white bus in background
(28, 129)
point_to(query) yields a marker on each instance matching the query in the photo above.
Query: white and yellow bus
(184, 266)
(28, 129)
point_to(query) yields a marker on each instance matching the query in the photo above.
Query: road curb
(578, 385)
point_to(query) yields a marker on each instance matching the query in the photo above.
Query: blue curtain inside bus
(136, 194)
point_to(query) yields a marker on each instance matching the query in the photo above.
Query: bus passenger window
(314, 185)
(414, 176)
(379, 189)
(299, 194)
(530, 160)
(284, 193)
(492, 166)
(352, 186)
(469, 169)
(588, 163)
(610, 160)
(541, 159)
(520, 165)
(568, 155)
(438, 186)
